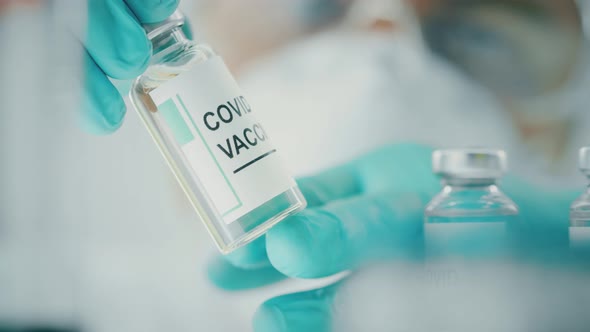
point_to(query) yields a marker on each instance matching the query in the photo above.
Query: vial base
(467, 237)
(579, 232)
(255, 223)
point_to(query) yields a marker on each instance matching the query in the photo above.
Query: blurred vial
(207, 132)
(580, 209)
(470, 216)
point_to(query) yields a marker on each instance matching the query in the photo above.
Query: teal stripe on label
(172, 116)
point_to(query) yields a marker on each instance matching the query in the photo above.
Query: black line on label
(251, 162)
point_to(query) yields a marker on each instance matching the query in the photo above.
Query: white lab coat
(354, 92)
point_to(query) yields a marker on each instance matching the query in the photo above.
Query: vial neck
(167, 41)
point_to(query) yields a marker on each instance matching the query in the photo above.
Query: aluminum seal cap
(470, 163)
(177, 19)
(584, 160)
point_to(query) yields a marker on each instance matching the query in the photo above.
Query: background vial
(470, 216)
(580, 209)
(208, 134)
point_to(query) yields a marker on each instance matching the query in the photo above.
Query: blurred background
(95, 234)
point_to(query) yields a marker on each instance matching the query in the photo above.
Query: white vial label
(580, 237)
(227, 149)
(460, 239)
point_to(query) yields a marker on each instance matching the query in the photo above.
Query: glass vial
(580, 209)
(471, 214)
(207, 132)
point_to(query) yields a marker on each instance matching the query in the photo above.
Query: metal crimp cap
(470, 163)
(584, 160)
(177, 19)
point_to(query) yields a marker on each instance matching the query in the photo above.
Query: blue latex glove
(370, 209)
(117, 47)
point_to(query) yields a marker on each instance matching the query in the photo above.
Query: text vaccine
(580, 209)
(471, 215)
(208, 133)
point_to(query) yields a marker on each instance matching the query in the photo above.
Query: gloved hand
(117, 47)
(370, 209)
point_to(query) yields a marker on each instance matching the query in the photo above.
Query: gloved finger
(344, 234)
(332, 184)
(297, 312)
(244, 268)
(152, 11)
(103, 108)
(115, 39)
(226, 276)
(252, 256)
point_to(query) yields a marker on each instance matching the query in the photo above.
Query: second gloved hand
(369, 209)
(366, 210)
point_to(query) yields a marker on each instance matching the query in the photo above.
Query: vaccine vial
(208, 133)
(580, 209)
(471, 215)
